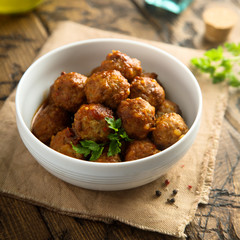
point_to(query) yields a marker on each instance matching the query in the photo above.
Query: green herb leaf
(220, 67)
(114, 148)
(214, 54)
(116, 137)
(233, 48)
(89, 147)
(233, 81)
(218, 77)
(114, 124)
(81, 150)
(123, 135)
(96, 154)
(113, 136)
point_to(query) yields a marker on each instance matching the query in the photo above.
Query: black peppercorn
(171, 200)
(158, 193)
(175, 191)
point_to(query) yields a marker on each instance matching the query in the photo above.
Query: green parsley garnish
(89, 147)
(94, 150)
(116, 137)
(114, 124)
(219, 66)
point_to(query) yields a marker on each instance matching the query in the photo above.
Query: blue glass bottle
(174, 6)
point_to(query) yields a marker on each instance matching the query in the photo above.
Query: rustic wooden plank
(219, 219)
(118, 16)
(233, 110)
(186, 29)
(65, 227)
(19, 220)
(21, 37)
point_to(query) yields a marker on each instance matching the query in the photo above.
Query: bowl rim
(104, 40)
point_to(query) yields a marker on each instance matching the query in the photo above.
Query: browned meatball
(129, 67)
(104, 158)
(61, 142)
(107, 87)
(48, 121)
(140, 149)
(148, 89)
(90, 124)
(150, 75)
(167, 107)
(138, 117)
(170, 127)
(68, 91)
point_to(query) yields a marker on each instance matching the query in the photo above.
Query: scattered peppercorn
(158, 193)
(175, 191)
(171, 200)
(182, 166)
(167, 182)
(189, 187)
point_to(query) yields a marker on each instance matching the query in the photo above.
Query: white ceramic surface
(181, 87)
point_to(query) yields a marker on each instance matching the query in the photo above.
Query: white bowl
(181, 87)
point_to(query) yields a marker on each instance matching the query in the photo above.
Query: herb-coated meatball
(68, 91)
(170, 127)
(167, 107)
(48, 121)
(129, 67)
(107, 87)
(148, 89)
(90, 124)
(139, 149)
(138, 117)
(61, 142)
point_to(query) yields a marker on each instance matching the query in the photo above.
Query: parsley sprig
(94, 150)
(219, 66)
(89, 147)
(116, 137)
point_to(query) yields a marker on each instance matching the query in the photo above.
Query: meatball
(61, 142)
(148, 89)
(138, 117)
(149, 74)
(140, 149)
(167, 107)
(170, 127)
(68, 91)
(90, 124)
(104, 158)
(129, 67)
(48, 121)
(107, 87)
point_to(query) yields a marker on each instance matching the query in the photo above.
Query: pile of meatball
(77, 106)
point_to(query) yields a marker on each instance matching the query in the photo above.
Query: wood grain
(219, 219)
(21, 37)
(188, 28)
(119, 16)
(19, 220)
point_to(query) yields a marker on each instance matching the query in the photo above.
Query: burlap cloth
(22, 177)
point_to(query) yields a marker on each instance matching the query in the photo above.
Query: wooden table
(22, 36)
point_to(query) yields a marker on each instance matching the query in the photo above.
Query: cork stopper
(219, 21)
